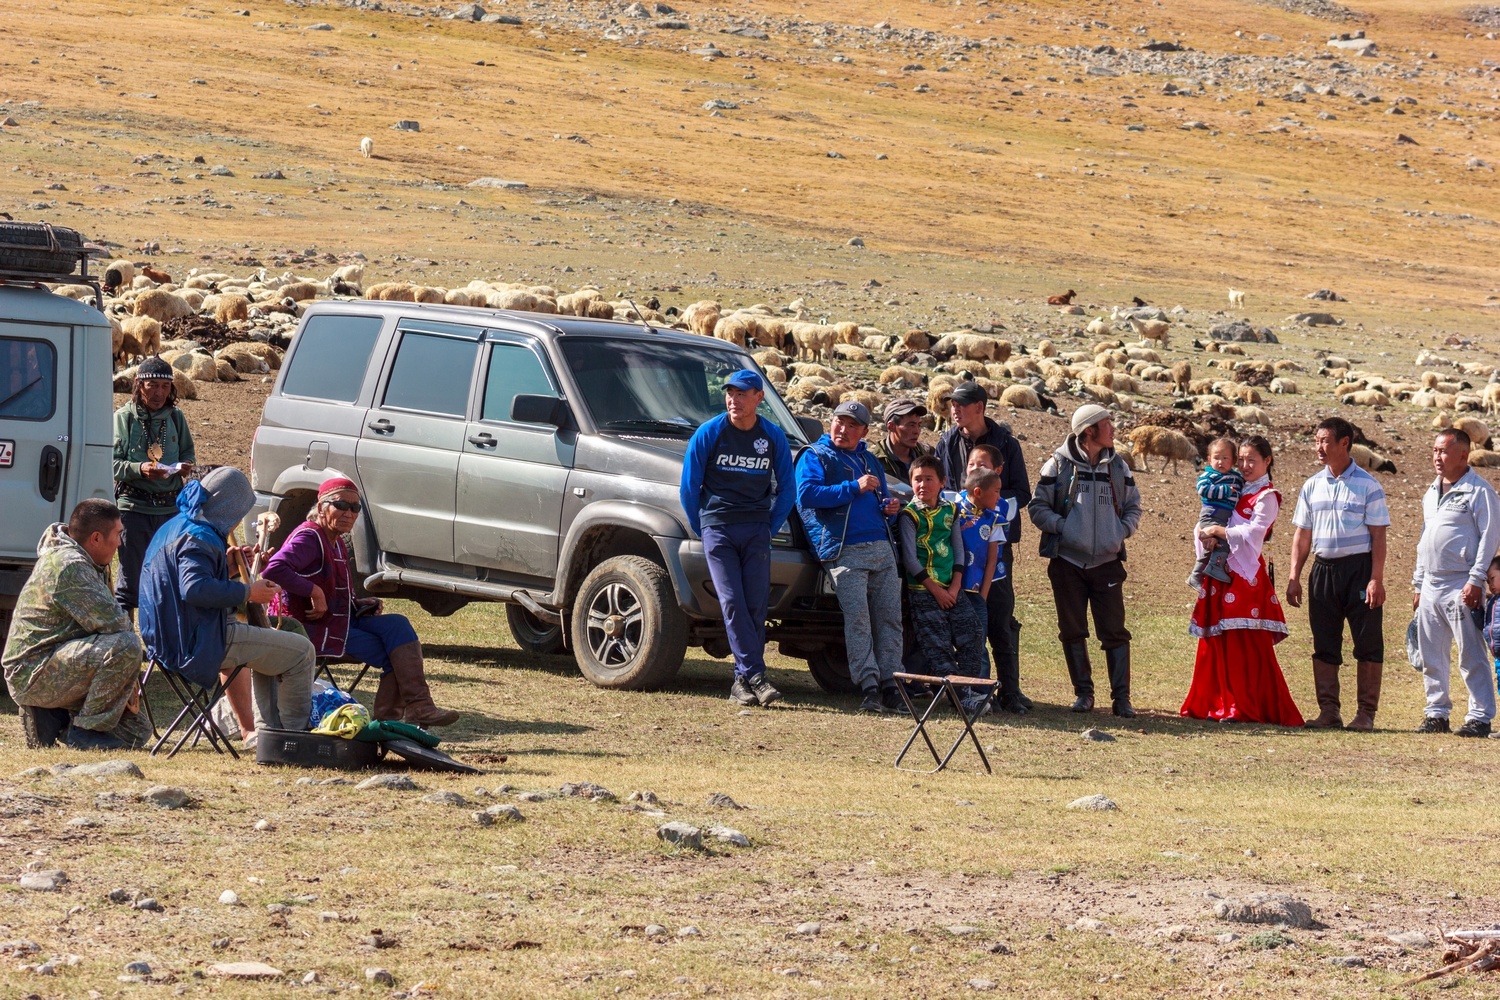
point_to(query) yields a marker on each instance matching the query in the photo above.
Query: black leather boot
(1081, 674)
(1118, 661)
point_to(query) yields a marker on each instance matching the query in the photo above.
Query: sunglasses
(353, 506)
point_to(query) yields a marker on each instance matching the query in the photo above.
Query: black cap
(969, 392)
(898, 408)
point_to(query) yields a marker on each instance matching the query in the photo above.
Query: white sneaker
(249, 740)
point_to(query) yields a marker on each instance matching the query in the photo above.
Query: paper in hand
(171, 470)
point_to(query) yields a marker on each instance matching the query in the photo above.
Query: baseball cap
(854, 411)
(898, 408)
(969, 392)
(745, 379)
(1087, 416)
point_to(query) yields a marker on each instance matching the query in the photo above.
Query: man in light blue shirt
(1341, 520)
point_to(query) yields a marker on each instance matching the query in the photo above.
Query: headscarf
(332, 487)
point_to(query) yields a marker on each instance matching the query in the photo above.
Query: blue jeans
(739, 563)
(372, 637)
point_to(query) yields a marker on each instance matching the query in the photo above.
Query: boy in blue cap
(727, 477)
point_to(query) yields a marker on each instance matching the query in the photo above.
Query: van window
(514, 371)
(432, 374)
(28, 379)
(330, 357)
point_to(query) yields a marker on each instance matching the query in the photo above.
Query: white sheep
(366, 147)
(1236, 299)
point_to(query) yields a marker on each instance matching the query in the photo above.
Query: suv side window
(28, 378)
(330, 357)
(514, 371)
(432, 374)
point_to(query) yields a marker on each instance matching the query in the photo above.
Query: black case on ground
(284, 746)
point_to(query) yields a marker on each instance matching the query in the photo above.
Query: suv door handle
(482, 440)
(382, 426)
(49, 476)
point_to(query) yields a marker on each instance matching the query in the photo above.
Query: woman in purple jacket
(312, 568)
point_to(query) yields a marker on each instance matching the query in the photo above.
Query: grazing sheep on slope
(366, 147)
(1163, 442)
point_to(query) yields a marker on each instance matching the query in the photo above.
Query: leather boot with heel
(1326, 684)
(406, 665)
(1076, 655)
(1368, 678)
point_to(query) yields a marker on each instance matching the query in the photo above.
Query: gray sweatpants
(868, 587)
(1443, 622)
(282, 665)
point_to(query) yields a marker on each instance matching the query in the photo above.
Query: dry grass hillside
(1008, 157)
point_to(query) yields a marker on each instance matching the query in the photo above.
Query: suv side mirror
(539, 410)
(812, 428)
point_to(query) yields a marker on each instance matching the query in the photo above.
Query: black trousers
(140, 528)
(1335, 595)
(1001, 608)
(1077, 591)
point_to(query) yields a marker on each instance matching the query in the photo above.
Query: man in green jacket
(72, 660)
(154, 456)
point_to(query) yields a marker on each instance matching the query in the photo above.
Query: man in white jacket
(1460, 532)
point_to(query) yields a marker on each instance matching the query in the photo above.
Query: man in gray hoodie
(1086, 504)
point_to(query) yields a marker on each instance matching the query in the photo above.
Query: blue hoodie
(727, 474)
(833, 510)
(186, 594)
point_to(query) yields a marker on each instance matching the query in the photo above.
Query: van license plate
(7, 454)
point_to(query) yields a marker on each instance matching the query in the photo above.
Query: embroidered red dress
(1236, 676)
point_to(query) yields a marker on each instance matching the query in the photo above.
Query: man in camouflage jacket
(71, 648)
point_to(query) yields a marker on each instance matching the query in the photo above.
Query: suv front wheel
(628, 631)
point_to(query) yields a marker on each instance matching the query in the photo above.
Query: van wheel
(628, 631)
(830, 668)
(531, 633)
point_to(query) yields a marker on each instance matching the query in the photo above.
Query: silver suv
(530, 459)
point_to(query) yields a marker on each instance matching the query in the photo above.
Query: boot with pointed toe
(406, 665)
(1118, 661)
(1368, 678)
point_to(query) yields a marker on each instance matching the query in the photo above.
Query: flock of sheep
(794, 351)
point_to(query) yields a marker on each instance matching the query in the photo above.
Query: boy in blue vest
(932, 557)
(727, 494)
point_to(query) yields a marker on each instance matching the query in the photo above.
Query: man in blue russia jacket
(844, 504)
(727, 476)
(187, 602)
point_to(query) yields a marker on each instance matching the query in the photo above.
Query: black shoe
(740, 692)
(91, 739)
(872, 703)
(1015, 706)
(891, 699)
(43, 726)
(1084, 703)
(1024, 701)
(1433, 724)
(1475, 729)
(1124, 709)
(763, 691)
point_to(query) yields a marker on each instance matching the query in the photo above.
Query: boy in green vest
(932, 557)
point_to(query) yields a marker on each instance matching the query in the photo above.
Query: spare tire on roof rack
(41, 248)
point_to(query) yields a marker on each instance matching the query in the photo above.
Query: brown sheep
(702, 316)
(1163, 442)
(915, 340)
(846, 333)
(145, 331)
(1182, 378)
(903, 377)
(232, 308)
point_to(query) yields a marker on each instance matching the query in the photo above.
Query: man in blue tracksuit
(727, 477)
(844, 502)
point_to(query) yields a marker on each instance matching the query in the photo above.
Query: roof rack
(29, 251)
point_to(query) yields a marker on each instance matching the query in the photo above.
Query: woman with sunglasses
(313, 569)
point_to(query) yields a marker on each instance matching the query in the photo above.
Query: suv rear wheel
(531, 633)
(830, 668)
(628, 631)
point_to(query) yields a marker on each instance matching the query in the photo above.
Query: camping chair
(944, 688)
(142, 700)
(196, 717)
(327, 663)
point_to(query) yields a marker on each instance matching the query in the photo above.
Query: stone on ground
(1266, 908)
(1094, 803)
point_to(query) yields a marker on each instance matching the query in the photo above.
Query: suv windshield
(660, 388)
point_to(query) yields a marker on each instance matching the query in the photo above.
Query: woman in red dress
(1236, 677)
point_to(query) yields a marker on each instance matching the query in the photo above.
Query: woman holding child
(1236, 677)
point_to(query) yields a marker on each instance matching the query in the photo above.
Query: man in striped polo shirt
(1341, 519)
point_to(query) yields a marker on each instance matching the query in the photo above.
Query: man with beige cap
(1086, 505)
